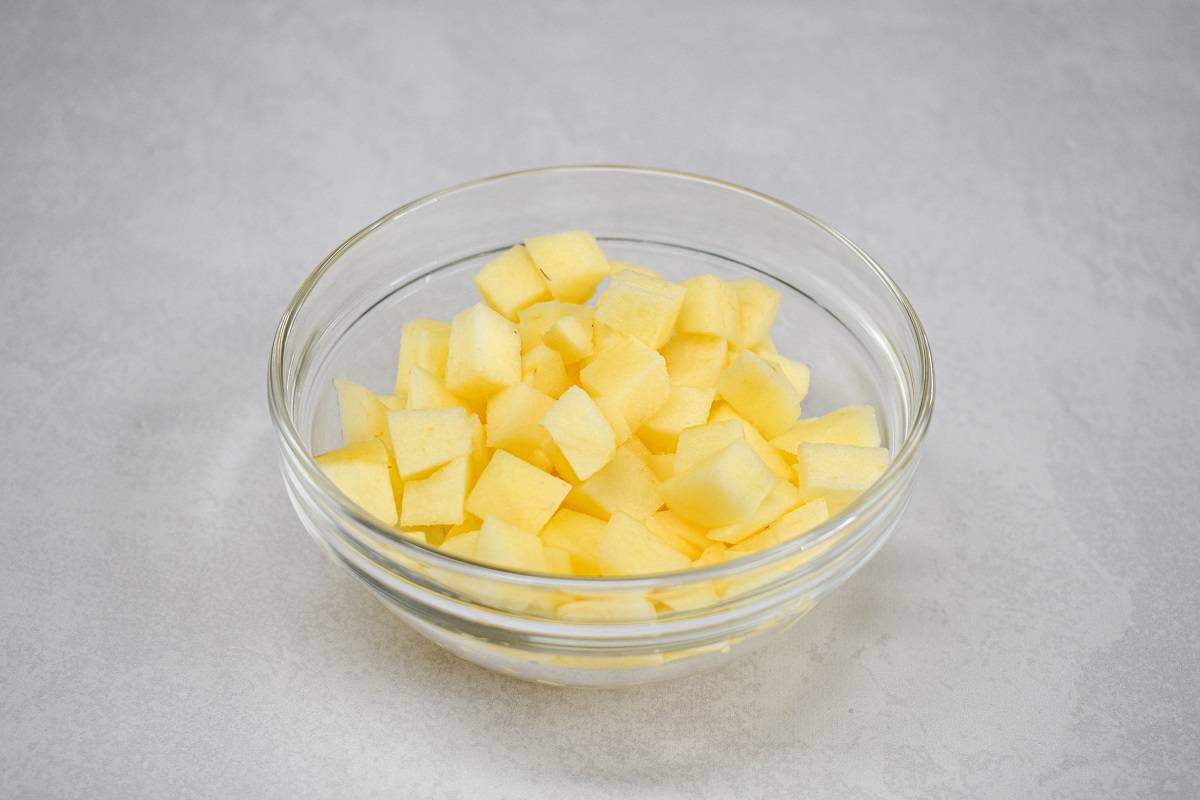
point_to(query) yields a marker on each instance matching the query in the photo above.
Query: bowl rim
(285, 428)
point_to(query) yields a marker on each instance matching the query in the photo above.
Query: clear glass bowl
(840, 313)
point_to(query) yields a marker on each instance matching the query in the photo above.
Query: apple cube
(558, 561)
(759, 304)
(611, 609)
(579, 535)
(511, 282)
(686, 407)
(667, 520)
(571, 337)
(424, 343)
(795, 523)
(572, 263)
(698, 443)
(426, 439)
(710, 307)
(722, 489)
(838, 472)
(517, 492)
(670, 534)
(426, 390)
(782, 499)
(360, 471)
(391, 401)
(797, 373)
(715, 553)
(642, 306)
(364, 417)
(760, 393)
(662, 465)
(462, 545)
(695, 359)
(610, 406)
(484, 354)
(852, 425)
(438, 499)
(581, 434)
(628, 548)
(633, 374)
(543, 369)
(535, 322)
(624, 484)
(765, 450)
(514, 421)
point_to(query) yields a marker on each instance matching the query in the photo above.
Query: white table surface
(1031, 177)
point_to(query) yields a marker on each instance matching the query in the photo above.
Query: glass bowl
(840, 313)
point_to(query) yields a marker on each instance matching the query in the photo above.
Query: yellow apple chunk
(364, 416)
(628, 548)
(795, 523)
(634, 375)
(722, 489)
(642, 306)
(484, 355)
(571, 262)
(686, 407)
(759, 393)
(360, 471)
(580, 433)
(579, 535)
(838, 472)
(710, 307)
(424, 343)
(695, 359)
(624, 484)
(438, 499)
(851, 425)
(511, 282)
(517, 492)
(759, 304)
(543, 369)
(425, 439)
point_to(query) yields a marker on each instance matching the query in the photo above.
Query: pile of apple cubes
(655, 431)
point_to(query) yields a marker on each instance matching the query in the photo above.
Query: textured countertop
(1030, 176)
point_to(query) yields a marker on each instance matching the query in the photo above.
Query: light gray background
(1030, 175)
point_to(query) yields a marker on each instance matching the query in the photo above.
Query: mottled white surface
(1030, 175)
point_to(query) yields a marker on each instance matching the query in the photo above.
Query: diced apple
(610, 406)
(462, 545)
(766, 451)
(713, 554)
(782, 499)
(503, 545)
(514, 421)
(686, 407)
(558, 561)
(687, 598)
(426, 439)
(759, 304)
(662, 465)
(424, 343)
(571, 337)
(642, 306)
(760, 393)
(391, 401)
(678, 526)
(484, 355)
(517, 492)
(701, 441)
(722, 489)
(426, 390)
(360, 471)
(364, 417)
(535, 321)
(670, 536)
(695, 359)
(851, 425)
(624, 484)
(797, 373)
(628, 548)
(438, 499)
(609, 609)
(795, 523)
(469, 524)
(633, 374)
(572, 263)
(710, 307)
(543, 369)
(580, 433)
(511, 282)
(579, 535)
(838, 472)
